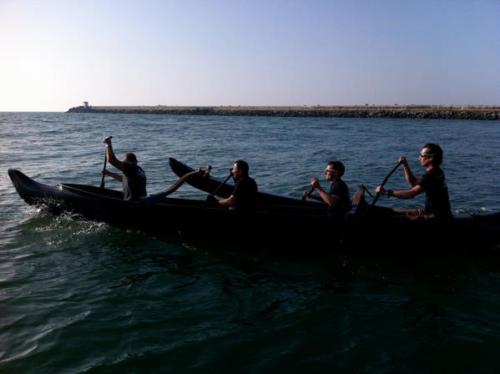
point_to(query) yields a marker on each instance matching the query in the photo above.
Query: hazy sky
(56, 54)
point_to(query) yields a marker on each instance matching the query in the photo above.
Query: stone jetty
(472, 112)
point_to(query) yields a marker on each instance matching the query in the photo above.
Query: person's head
(431, 154)
(334, 170)
(130, 158)
(240, 169)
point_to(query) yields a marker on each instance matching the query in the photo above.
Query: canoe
(210, 184)
(170, 216)
(290, 226)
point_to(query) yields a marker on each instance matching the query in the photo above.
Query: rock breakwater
(472, 112)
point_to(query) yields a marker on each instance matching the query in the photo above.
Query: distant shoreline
(472, 112)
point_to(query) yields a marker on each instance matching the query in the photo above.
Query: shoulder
(141, 171)
(251, 182)
(338, 187)
(435, 175)
(128, 168)
(246, 184)
(132, 169)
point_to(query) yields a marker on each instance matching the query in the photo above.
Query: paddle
(211, 196)
(105, 162)
(377, 195)
(221, 184)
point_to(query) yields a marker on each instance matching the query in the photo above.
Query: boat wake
(38, 219)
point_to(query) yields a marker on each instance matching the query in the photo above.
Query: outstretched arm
(179, 182)
(174, 186)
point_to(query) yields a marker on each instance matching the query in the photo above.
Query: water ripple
(81, 296)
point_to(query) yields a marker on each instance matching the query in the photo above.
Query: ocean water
(81, 296)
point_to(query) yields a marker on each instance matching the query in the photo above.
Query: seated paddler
(337, 197)
(432, 182)
(242, 198)
(133, 177)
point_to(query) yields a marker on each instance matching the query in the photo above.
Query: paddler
(133, 178)
(433, 183)
(245, 190)
(337, 198)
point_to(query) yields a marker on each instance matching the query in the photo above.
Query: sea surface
(80, 296)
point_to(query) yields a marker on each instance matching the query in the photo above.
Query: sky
(56, 54)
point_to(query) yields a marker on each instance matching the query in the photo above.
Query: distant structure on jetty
(479, 112)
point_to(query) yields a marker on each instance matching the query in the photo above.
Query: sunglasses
(425, 155)
(329, 171)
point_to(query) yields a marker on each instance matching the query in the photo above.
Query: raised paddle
(377, 195)
(105, 162)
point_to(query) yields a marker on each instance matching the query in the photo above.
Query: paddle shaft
(309, 193)
(104, 168)
(222, 184)
(105, 162)
(377, 195)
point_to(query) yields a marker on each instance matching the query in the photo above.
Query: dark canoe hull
(210, 184)
(190, 218)
(382, 227)
(288, 226)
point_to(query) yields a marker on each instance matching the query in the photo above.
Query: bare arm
(402, 194)
(230, 201)
(179, 182)
(408, 194)
(110, 155)
(324, 196)
(116, 176)
(410, 178)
